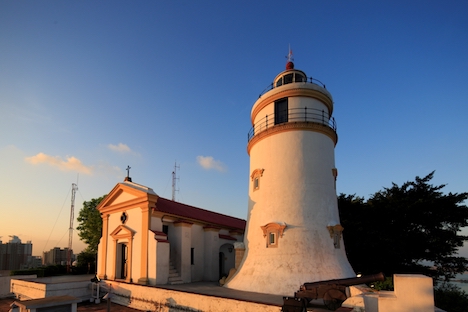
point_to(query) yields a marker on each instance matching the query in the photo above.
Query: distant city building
(56, 256)
(33, 262)
(14, 255)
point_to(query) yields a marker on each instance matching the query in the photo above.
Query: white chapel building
(150, 240)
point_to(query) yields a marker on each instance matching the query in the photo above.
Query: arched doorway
(226, 259)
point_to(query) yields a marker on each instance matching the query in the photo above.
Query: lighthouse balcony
(294, 118)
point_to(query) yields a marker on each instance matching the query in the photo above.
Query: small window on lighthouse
(255, 176)
(272, 232)
(272, 240)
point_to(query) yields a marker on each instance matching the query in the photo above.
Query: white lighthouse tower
(293, 229)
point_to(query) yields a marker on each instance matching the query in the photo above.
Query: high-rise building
(56, 256)
(14, 255)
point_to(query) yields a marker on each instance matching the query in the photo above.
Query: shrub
(450, 298)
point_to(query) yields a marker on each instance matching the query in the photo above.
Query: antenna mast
(290, 55)
(174, 178)
(70, 229)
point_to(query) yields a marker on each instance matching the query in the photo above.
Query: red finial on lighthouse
(290, 64)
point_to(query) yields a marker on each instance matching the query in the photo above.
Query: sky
(88, 88)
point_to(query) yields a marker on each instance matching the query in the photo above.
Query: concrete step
(174, 276)
(178, 282)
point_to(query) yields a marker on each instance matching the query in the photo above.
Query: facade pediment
(122, 231)
(120, 196)
(127, 195)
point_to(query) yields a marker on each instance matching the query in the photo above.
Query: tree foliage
(86, 262)
(450, 298)
(90, 224)
(413, 228)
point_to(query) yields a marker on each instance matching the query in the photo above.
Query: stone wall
(5, 284)
(157, 299)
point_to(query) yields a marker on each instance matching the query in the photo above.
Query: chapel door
(122, 254)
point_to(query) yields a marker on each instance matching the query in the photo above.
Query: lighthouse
(293, 233)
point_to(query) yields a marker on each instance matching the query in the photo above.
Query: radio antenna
(174, 178)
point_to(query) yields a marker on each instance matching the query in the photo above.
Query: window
(272, 238)
(299, 78)
(335, 234)
(272, 232)
(335, 174)
(281, 111)
(123, 217)
(192, 258)
(279, 82)
(256, 183)
(255, 176)
(288, 78)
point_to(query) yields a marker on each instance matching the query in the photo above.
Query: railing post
(323, 117)
(305, 109)
(266, 122)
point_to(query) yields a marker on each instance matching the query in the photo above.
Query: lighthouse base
(284, 278)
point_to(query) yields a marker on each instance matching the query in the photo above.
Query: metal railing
(293, 115)
(309, 80)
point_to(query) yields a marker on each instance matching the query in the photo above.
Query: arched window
(272, 232)
(255, 176)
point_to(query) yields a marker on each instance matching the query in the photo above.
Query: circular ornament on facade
(123, 217)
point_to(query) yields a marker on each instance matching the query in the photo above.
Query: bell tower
(293, 231)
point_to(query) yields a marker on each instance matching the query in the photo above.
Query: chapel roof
(193, 213)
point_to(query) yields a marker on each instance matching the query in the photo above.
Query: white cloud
(208, 162)
(70, 164)
(121, 148)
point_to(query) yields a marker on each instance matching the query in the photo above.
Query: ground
(83, 306)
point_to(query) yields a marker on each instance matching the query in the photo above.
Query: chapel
(150, 240)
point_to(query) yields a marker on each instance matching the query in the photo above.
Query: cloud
(208, 162)
(121, 148)
(70, 164)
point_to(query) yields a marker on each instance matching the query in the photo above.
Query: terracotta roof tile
(194, 213)
(228, 237)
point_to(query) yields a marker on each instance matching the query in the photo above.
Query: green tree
(450, 298)
(90, 224)
(413, 228)
(86, 262)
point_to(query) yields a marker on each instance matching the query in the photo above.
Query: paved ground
(204, 288)
(102, 307)
(213, 289)
(84, 306)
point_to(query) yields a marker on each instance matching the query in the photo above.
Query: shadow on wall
(174, 307)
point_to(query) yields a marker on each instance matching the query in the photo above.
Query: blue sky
(87, 88)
